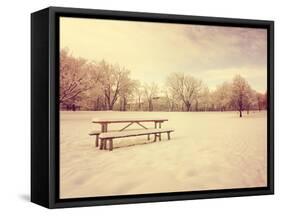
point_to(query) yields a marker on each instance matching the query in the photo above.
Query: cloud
(154, 50)
(226, 47)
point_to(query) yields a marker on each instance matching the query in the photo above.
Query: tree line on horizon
(90, 85)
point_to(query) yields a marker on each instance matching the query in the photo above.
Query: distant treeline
(90, 85)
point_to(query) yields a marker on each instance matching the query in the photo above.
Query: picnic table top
(125, 120)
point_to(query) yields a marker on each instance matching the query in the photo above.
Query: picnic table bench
(109, 136)
(105, 136)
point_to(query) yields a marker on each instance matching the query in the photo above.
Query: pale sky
(151, 51)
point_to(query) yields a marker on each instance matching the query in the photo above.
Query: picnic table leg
(155, 135)
(160, 124)
(168, 135)
(103, 141)
(97, 140)
(110, 145)
(148, 137)
(155, 124)
(101, 144)
(159, 136)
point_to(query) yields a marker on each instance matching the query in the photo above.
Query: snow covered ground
(208, 150)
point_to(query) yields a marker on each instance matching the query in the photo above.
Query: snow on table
(125, 120)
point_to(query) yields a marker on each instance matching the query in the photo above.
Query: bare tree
(222, 96)
(94, 97)
(126, 92)
(204, 99)
(73, 77)
(114, 80)
(77, 75)
(150, 92)
(185, 87)
(251, 102)
(261, 101)
(101, 85)
(170, 100)
(139, 93)
(240, 93)
(265, 100)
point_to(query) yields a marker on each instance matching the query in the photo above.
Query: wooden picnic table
(105, 122)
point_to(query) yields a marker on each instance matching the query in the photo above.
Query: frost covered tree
(138, 94)
(222, 96)
(101, 85)
(186, 88)
(171, 103)
(204, 100)
(126, 93)
(150, 92)
(261, 100)
(77, 76)
(251, 102)
(115, 80)
(240, 93)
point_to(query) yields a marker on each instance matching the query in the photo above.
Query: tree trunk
(259, 105)
(150, 105)
(240, 111)
(97, 104)
(139, 103)
(121, 106)
(110, 106)
(124, 104)
(196, 107)
(187, 106)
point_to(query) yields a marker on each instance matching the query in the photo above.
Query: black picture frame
(45, 108)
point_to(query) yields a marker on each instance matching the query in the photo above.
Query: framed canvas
(134, 107)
